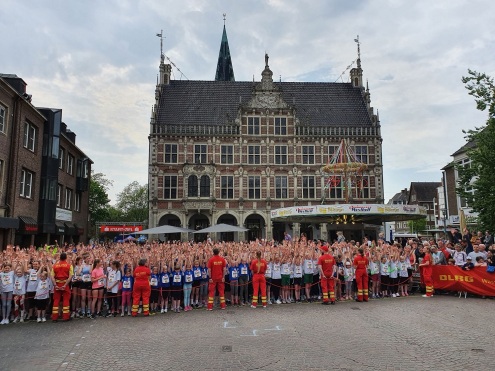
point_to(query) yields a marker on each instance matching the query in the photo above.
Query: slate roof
(425, 191)
(464, 148)
(217, 102)
(400, 197)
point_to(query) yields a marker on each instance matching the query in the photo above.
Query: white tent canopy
(222, 228)
(165, 229)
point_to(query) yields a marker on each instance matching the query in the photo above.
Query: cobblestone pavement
(440, 333)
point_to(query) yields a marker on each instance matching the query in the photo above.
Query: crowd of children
(102, 280)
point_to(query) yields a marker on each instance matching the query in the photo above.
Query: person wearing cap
(468, 265)
(361, 271)
(62, 273)
(326, 266)
(426, 267)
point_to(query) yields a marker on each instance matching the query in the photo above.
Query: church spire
(225, 70)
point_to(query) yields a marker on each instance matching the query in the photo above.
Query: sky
(98, 61)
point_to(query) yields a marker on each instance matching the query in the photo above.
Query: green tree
(132, 202)
(98, 197)
(480, 175)
(416, 226)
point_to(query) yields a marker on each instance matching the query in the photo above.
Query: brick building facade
(29, 143)
(230, 152)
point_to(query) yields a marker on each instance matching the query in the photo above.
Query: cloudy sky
(98, 61)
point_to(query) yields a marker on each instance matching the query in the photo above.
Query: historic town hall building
(229, 151)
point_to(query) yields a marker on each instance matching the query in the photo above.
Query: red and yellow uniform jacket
(216, 265)
(61, 271)
(258, 267)
(327, 263)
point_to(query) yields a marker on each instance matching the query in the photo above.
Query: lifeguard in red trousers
(142, 288)
(258, 267)
(426, 269)
(62, 273)
(326, 265)
(361, 270)
(216, 271)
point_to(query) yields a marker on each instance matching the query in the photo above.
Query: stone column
(296, 230)
(323, 231)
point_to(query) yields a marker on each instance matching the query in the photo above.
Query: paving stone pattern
(440, 333)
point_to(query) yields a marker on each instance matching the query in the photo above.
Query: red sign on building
(121, 228)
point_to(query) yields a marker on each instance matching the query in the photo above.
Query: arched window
(192, 186)
(204, 186)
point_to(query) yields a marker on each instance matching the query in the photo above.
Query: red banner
(121, 228)
(476, 281)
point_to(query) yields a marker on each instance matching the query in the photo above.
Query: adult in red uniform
(216, 272)
(62, 273)
(361, 268)
(326, 265)
(142, 288)
(426, 268)
(258, 267)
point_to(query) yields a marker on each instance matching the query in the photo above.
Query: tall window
(254, 157)
(200, 151)
(170, 153)
(77, 202)
(227, 186)
(361, 153)
(227, 154)
(26, 183)
(280, 126)
(363, 187)
(68, 198)
(59, 195)
(281, 155)
(253, 125)
(70, 164)
(3, 122)
(308, 187)
(1, 176)
(170, 187)
(254, 187)
(335, 187)
(331, 150)
(29, 136)
(308, 154)
(204, 186)
(192, 186)
(61, 158)
(280, 187)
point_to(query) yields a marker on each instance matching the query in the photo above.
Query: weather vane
(359, 44)
(224, 18)
(160, 35)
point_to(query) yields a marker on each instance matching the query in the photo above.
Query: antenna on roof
(358, 60)
(280, 78)
(224, 17)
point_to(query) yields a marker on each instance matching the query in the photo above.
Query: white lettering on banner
(360, 209)
(305, 210)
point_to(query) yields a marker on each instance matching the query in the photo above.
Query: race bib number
(234, 274)
(165, 279)
(126, 284)
(101, 282)
(197, 273)
(86, 278)
(6, 280)
(189, 277)
(276, 267)
(154, 282)
(298, 270)
(43, 285)
(286, 270)
(18, 285)
(33, 276)
(204, 275)
(310, 265)
(244, 270)
(111, 277)
(177, 278)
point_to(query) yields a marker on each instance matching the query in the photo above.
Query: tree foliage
(132, 202)
(480, 175)
(417, 225)
(98, 197)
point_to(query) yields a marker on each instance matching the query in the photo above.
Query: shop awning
(59, 227)
(28, 225)
(70, 229)
(7, 223)
(79, 230)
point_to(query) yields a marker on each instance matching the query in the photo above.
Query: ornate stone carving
(198, 169)
(267, 100)
(198, 205)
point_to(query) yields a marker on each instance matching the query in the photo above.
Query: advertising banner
(476, 281)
